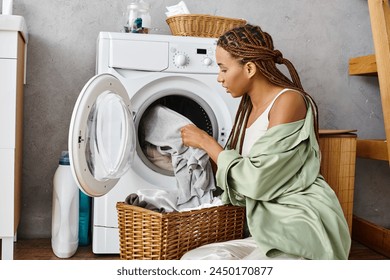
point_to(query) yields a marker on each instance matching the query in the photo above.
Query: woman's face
(232, 74)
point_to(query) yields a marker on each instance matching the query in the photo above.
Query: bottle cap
(64, 159)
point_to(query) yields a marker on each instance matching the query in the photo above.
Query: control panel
(160, 53)
(192, 58)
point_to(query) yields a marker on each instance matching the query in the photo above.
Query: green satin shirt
(289, 206)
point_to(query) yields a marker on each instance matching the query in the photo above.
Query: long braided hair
(250, 43)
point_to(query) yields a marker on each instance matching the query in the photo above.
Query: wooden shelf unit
(363, 66)
(374, 236)
(372, 149)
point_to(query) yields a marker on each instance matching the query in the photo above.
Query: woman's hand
(193, 136)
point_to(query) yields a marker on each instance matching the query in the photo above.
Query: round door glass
(110, 133)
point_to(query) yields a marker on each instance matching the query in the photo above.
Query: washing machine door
(102, 137)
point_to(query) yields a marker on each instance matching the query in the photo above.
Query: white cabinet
(12, 76)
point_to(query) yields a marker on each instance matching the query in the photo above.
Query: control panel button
(181, 60)
(207, 61)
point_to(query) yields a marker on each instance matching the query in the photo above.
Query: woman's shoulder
(290, 97)
(290, 106)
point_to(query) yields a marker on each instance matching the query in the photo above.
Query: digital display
(201, 51)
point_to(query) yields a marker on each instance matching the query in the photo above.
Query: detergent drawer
(126, 54)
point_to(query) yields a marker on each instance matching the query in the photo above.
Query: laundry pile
(191, 167)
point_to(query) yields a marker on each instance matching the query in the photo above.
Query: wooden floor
(40, 249)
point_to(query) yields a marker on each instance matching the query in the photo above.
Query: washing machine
(133, 73)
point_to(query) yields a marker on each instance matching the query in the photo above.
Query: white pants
(239, 249)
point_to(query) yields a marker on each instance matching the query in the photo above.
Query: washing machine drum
(102, 138)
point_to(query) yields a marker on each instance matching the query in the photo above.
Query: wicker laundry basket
(149, 235)
(198, 25)
(338, 158)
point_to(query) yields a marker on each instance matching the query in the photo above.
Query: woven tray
(197, 25)
(149, 235)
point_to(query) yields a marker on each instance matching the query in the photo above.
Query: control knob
(181, 60)
(207, 61)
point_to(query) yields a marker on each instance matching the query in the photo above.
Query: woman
(272, 160)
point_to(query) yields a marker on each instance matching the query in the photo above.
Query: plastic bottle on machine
(65, 210)
(138, 17)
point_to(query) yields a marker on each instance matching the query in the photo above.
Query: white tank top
(258, 128)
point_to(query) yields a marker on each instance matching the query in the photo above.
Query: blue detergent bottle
(84, 219)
